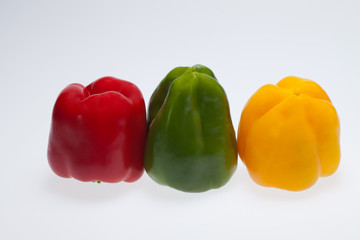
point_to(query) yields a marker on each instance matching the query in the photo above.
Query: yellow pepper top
(288, 135)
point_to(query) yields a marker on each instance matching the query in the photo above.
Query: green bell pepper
(191, 144)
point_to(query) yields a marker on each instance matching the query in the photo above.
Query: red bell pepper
(98, 132)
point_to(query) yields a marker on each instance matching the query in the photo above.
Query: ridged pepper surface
(191, 144)
(288, 135)
(98, 132)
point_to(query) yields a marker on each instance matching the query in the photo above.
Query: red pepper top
(98, 132)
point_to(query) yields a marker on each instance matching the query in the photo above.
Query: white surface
(45, 45)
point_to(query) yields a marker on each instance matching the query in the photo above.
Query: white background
(46, 45)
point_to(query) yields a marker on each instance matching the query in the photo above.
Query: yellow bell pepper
(288, 135)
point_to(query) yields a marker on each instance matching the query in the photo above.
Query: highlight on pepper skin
(288, 135)
(98, 132)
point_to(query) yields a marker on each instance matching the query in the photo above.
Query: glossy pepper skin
(191, 144)
(289, 135)
(98, 132)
